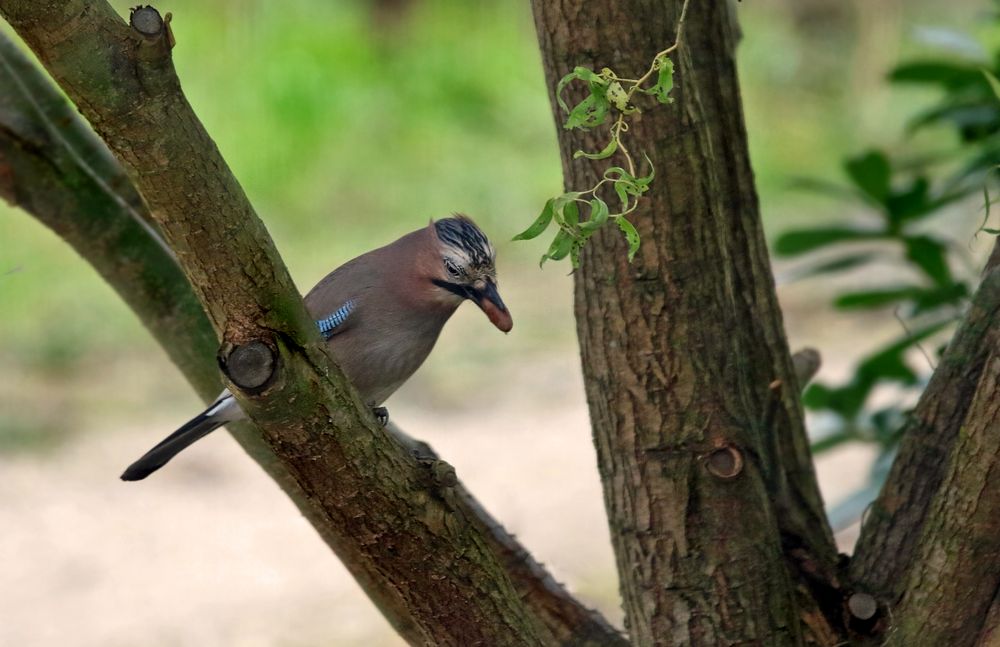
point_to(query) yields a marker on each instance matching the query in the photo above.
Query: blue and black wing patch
(333, 324)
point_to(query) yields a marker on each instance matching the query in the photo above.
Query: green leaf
(541, 223)
(823, 187)
(617, 96)
(625, 183)
(563, 82)
(631, 235)
(622, 194)
(947, 75)
(911, 203)
(589, 113)
(664, 81)
(618, 171)
(581, 73)
(946, 295)
(922, 299)
(931, 256)
(836, 265)
(593, 110)
(605, 152)
(571, 213)
(994, 83)
(885, 365)
(559, 248)
(876, 298)
(871, 173)
(598, 215)
(915, 204)
(987, 207)
(644, 181)
(559, 207)
(793, 243)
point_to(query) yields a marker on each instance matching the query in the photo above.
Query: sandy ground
(208, 552)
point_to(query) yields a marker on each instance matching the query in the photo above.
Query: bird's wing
(336, 321)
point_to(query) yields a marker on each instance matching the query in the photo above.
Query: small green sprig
(579, 214)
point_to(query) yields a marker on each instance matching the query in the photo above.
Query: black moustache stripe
(455, 288)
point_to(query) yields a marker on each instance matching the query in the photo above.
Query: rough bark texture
(990, 634)
(392, 524)
(684, 352)
(956, 568)
(894, 523)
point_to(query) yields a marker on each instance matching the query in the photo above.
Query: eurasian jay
(380, 314)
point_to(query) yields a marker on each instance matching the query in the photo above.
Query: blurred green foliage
(897, 194)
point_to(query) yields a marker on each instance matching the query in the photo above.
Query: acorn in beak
(489, 301)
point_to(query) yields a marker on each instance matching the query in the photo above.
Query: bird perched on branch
(380, 314)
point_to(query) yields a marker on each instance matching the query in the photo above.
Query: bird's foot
(382, 415)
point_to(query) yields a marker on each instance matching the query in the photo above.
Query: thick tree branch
(684, 353)
(403, 532)
(990, 634)
(956, 568)
(895, 522)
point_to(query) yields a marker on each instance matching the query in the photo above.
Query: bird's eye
(451, 268)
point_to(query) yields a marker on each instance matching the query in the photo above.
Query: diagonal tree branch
(956, 567)
(129, 76)
(894, 524)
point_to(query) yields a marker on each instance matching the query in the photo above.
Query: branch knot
(249, 366)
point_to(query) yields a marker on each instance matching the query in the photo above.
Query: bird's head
(467, 269)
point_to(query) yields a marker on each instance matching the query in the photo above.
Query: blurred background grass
(350, 123)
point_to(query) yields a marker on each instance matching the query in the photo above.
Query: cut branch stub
(806, 362)
(862, 606)
(725, 462)
(249, 366)
(444, 474)
(147, 21)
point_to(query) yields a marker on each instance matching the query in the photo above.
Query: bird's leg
(382, 415)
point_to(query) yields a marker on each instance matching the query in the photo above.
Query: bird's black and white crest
(466, 240)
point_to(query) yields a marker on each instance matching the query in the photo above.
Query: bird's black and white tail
(219, 413)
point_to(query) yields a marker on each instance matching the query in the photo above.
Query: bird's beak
(489, 301)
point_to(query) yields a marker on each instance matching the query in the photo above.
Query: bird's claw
(382, 415)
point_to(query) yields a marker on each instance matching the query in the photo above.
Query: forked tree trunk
(683, 350)
(687, 374)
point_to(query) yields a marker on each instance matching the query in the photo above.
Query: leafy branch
(579, 214)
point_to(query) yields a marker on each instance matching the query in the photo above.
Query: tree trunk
(684, 355)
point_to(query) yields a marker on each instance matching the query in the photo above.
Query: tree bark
(684, 354)
(955, 574)
(887, 547)
(414, 540)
